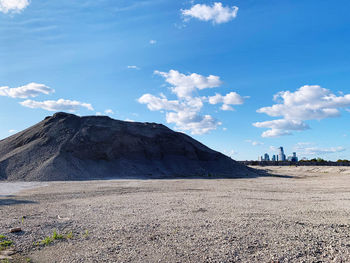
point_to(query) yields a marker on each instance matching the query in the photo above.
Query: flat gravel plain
(301, 214)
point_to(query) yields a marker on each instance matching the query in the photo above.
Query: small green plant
(28, 260)
(47, 241)
(5, 261)
(22, 220)
(6, 243)
(56, 236)
(86, 234)
(69, 235)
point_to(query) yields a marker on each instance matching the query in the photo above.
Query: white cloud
(216, 13)
(155, 103)
(229, 99)
(310, 149)
(14, 6)
(109, 112)
(153, 42)
(254, 143)
(59, 105)
(133, 67)
(280, 127)
(184, 111)
(307, 103)
(192, 121)
(12, 131)
(30, 90)
(185, 85)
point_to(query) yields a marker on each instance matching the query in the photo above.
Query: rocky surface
(68, 147)
(265, 219)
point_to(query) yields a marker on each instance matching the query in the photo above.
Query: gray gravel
(266, 219)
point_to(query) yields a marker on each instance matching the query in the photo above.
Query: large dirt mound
(68, 147)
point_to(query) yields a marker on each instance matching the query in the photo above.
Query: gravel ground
(305, 218)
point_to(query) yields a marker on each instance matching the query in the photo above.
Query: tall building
(266, 157)
(274, 158)
(281, 155)
(294, 158)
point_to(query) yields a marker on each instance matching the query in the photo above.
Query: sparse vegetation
(56, 236)
(86, 234)
(46, 241)
(5, 242)
(69, 235)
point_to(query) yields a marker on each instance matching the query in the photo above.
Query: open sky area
(243, 77)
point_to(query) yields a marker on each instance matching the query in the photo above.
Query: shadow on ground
(11, 201)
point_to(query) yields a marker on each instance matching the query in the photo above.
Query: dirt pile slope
(68, 147)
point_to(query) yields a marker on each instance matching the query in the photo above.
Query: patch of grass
(47, 241)
(5, 242)
(56, 236)
(28, 260)
(5, 261)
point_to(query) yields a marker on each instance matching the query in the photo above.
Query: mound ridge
(68, 147)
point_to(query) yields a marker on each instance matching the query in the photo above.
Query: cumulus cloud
(216, 13)
(14, 6)
(280, 127)
(12, 131)
(229, 99)
(192, 121)
(307, 103)
(184, 111)
(153, 42)
(59, 105)
(312, 150)
(30, 90)
(185, 85)
(109, 112)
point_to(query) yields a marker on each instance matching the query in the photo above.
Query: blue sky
(243, 77)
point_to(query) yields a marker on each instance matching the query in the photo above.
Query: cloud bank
(307, 103)
(59, 105)
(216, 13)
(30, 90)
(310, 149)
(184, 111)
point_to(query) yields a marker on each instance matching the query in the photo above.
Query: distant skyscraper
(274, 158)
(281, 155)
(266, 157)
